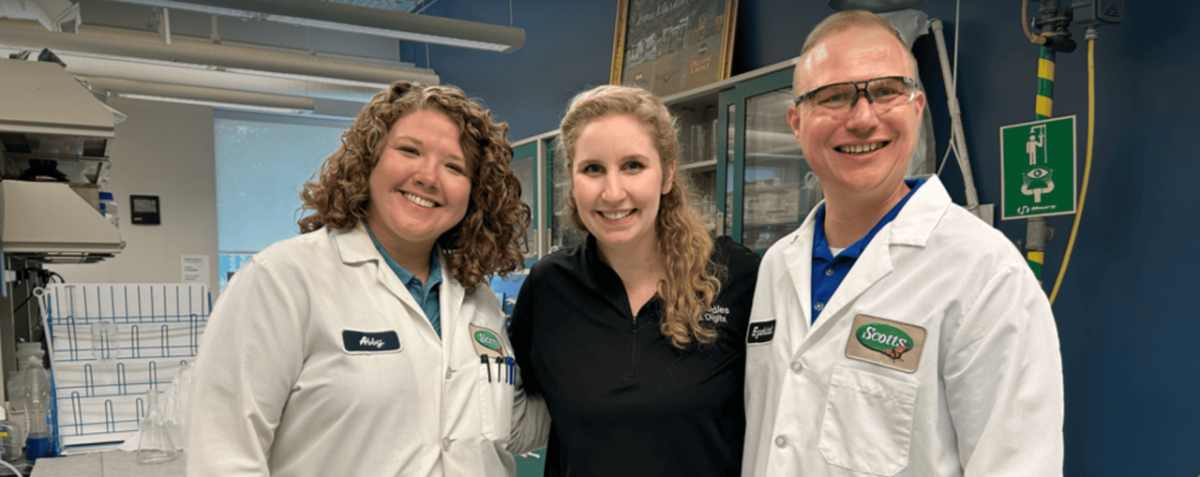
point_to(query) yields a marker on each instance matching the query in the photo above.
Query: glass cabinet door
(776, 188)
(524, 165)
(697, 122)
(562, 233)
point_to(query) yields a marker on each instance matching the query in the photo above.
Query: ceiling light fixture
(195, 53)
(363, 20)
(317, 79)
(215, 104)
(121, 86)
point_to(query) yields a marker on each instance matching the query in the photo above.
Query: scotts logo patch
(887, 339)
(892, 344)
(488, 340)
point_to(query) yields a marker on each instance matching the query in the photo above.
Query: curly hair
(683, 243)
(488, 239)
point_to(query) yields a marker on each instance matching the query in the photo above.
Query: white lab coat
(277, 393)
(986, 398)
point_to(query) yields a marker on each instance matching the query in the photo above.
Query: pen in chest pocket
(512, 370)
(483, 359)
(499, 369)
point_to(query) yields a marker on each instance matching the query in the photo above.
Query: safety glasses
(883, 94)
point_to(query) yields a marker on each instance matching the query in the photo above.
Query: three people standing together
(892, 334)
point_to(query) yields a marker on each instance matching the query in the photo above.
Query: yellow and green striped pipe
(1044, 109)
(1036, 258)
(1045, 90)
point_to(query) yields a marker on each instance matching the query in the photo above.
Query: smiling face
(859, 155)
(421, 186)
(618, 181)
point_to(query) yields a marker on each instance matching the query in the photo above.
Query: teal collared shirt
(425, 294)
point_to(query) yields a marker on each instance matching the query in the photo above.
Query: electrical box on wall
(1099, 11)
(145, 209)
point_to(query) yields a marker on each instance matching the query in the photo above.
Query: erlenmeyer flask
(154, 444)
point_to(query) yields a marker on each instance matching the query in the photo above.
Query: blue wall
(1127, 320)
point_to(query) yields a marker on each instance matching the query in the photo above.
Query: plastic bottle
(108, 208)
(36, 401)
(15, 388)
(10, 444)
(154, 443)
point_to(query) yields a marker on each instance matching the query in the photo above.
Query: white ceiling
(231, 40)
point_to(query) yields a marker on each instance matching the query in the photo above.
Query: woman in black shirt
(636, 338)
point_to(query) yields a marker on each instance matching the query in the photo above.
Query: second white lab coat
(986, 398)
(281, 390)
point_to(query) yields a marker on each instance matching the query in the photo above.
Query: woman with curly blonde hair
(371, 344)
(636, 338)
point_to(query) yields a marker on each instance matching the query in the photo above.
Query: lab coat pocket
(495, 401)
(868, 422)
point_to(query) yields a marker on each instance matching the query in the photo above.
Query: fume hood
(49, 118)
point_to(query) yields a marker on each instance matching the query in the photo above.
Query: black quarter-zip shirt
(623, 400)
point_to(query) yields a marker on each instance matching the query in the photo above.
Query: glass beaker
(106, 340)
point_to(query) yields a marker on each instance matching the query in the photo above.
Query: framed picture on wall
(668, 46)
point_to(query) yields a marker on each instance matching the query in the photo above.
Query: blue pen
(512, 365)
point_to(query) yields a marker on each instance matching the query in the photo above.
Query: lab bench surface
(112, 463)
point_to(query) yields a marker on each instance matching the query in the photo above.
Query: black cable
(18, 308)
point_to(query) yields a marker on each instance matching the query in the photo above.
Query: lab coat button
(819, 306)
(829, 272)
(446, 444)
(797, 367)
(449, 372)
(781, 441)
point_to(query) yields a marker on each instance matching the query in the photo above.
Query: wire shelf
(109, 343)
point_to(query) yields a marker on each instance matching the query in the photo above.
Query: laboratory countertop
(111, 463)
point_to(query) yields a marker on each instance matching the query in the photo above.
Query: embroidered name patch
(364, 342)
(889, 343)
(761, 332)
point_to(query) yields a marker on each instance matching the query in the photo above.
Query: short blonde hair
(841, 21)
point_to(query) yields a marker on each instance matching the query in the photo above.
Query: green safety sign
(1037, 168)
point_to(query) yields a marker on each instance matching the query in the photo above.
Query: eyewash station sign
(1037, 168)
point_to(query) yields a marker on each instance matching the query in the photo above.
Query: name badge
(367, 342)
(888, 343)
(761, 332)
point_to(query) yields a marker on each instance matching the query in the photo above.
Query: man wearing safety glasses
(893, 333)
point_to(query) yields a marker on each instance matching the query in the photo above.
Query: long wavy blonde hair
(683, 243)
(489, 238)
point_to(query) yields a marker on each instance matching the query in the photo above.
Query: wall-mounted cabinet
(736, 149)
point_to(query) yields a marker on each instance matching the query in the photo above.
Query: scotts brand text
(488, 340)
(887, 339)
(761, 332)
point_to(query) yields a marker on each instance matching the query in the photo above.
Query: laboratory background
(193, 126)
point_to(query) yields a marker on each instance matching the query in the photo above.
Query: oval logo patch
(488, 340)
(887, 339)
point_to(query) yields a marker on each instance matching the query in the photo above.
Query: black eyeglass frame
(909, 82)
